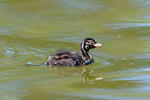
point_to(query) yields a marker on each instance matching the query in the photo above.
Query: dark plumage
(68, 58)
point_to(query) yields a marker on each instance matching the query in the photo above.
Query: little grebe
(68, 58)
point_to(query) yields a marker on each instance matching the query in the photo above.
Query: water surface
(32, 30)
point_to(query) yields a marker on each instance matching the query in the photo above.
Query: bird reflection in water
(87, 76)
(86, 71)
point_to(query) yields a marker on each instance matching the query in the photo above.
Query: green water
(30, 30)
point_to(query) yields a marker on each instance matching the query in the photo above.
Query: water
(32, 30)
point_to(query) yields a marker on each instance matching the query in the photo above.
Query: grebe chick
(68, 58)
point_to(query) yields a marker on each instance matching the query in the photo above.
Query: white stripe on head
(82, 45)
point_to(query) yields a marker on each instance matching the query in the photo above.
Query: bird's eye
(91, 43)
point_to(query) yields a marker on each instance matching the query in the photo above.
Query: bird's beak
(97, 45)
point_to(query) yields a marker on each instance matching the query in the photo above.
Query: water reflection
(86, 73)
(87, 77)
(89, 80)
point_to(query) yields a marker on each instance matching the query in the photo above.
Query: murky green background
(30, 30)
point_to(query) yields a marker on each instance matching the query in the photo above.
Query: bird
(70, 58)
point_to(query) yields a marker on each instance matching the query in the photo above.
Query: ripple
(8, 51)
(128, 25)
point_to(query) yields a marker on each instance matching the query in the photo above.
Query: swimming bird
(69, 58)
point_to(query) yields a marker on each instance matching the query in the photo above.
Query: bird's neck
(87, 57)
(86, 54)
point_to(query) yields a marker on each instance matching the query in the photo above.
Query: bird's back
(64, 58)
